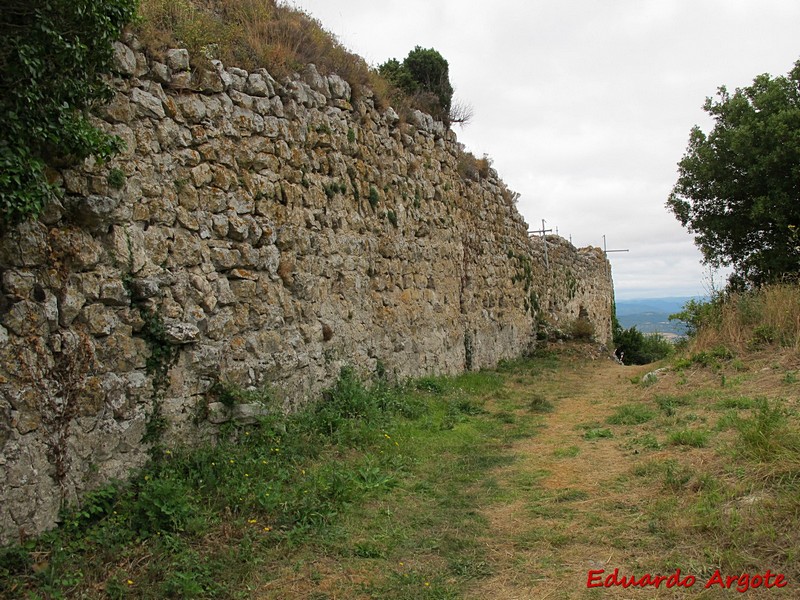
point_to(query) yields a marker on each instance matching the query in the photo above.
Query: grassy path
(558, 524)
(608, 483)
(497, 485)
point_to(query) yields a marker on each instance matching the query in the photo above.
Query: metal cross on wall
(543, 231)
(607, 251)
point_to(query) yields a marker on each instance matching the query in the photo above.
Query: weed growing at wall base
(195, 521)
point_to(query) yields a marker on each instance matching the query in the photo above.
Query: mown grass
(733, 488)
(631, 414)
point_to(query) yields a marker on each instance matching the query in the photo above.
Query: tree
(423, 75)
(697, 313)
(396, 73)
(738, 187)
(53, 56)
(638, 348)
(432, 73)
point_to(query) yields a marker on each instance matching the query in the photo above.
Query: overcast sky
(585, 106)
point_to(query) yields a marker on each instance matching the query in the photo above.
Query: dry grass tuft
(286, 273)
(582, 329)
(470, 167)
(249, 34)
(748, 321)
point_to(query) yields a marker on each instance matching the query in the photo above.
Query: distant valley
(651, 315)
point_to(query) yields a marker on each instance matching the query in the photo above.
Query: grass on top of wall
(251, 34)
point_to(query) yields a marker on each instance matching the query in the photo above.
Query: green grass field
(513, 483)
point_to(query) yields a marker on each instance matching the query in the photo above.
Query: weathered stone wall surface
(258, 233)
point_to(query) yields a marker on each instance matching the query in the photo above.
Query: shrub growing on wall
(424, 75)
(53, 55)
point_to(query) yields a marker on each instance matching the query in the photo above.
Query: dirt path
(555, 492)
(570, 511)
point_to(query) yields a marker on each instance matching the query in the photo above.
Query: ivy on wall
(53, 56)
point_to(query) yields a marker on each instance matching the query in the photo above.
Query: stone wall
(262, 234)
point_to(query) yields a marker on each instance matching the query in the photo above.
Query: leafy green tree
(638, 348)
(698, 313)
(425, 75)
(53, 56)
(394, 71)
(431, 71)
(738, 187)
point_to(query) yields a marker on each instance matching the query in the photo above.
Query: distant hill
(651, 315)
